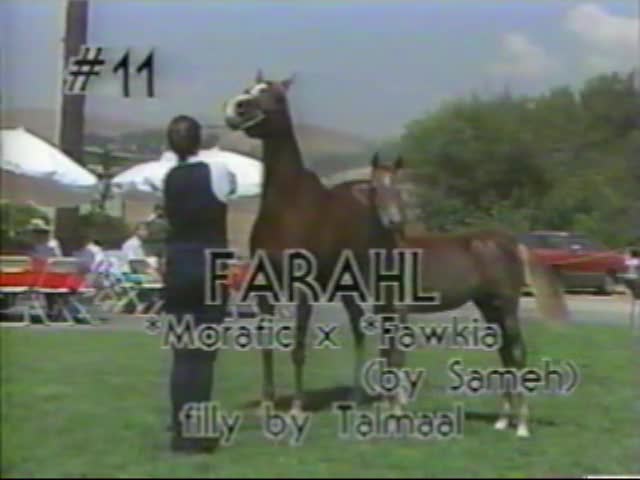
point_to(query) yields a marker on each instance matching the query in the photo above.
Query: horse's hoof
(522, 432)
(296, 408)
(501, 424)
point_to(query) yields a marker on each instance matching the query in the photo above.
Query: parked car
(580, 262)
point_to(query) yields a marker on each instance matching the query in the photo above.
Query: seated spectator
(44, 246)
(133, 247)
(90, 254)
(157, 228)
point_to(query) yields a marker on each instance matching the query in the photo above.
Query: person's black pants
(192, 373)
(192, 368)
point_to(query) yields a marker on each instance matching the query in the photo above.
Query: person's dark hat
(184, 136)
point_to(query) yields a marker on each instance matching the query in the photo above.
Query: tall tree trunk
(71, 139)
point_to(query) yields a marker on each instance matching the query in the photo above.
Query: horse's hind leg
(504, 312)
(512, 338)
(303, 316)
(356, 312)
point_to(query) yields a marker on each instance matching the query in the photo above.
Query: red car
(580, 262)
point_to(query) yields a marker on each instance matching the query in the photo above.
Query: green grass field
(77, 403)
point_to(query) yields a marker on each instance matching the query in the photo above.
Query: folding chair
(63, 277)
(151, 286)
(116, 286)
(16, 283)
(105, 283)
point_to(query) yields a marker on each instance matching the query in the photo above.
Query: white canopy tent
(144, 181)
(34, 171)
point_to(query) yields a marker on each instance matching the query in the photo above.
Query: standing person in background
(195, 195)
(157, 228)
(133, 247)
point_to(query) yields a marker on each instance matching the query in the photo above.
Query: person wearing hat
(195, 195)
(44, 245)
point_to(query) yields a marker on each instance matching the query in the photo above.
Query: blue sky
(362, 67)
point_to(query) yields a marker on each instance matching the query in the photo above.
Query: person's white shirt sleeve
(223, 181)
(55, 247)
(98, 256)
(132, 248)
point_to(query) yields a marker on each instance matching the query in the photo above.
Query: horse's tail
(545, 285)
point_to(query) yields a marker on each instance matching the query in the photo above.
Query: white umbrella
(36, 171)
(144, 181)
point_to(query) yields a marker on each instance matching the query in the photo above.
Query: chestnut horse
(298, 212)
(488, 268)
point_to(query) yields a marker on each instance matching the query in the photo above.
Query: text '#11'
(128, 72)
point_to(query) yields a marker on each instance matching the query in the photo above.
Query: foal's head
(261, 110)
(386, 194)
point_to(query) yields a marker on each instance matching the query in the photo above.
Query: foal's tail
(546, 287)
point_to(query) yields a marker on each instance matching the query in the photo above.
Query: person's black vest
(192, 209)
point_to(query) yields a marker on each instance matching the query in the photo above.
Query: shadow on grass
(490, 418)
(323, 399)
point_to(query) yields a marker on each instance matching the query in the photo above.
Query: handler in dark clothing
(194, 201)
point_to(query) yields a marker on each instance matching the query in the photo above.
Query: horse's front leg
(395, 358)
(303, 316)
(268, 386)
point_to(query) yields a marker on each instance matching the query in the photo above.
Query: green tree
(559, 160)
(15, 218)
(474, 153)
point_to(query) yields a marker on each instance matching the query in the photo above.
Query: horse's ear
(259, 76)
(399, 163)
(375, 160)
(287, 82)
(362, 192)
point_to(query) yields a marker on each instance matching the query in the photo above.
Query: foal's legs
(504, 312)
(393, 355)
(303, 316)
(356, 312)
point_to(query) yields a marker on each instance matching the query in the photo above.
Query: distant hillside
(325, 150)
(313, 139)
(42, 122)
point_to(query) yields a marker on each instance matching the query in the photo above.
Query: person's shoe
(194, 445)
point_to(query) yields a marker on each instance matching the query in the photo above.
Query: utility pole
(71, 113)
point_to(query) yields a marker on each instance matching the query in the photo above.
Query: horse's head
(261, 110)
(386, 193)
